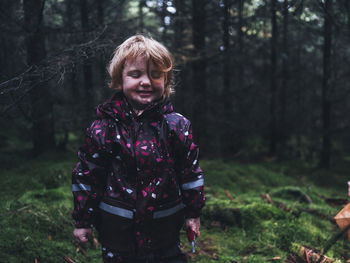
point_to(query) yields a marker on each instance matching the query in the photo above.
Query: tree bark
(72, 77)
(40, 96)
(142, 3)
(100, 12)
(163, 15)
(199, 68)
(326, 86)
(180, 98)
(87, 64)
(240, 77)
(285, 78)
(273, 85)
(347, 7)
(227, 93)
(101, 59)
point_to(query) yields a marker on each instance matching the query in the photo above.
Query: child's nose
(145, 80)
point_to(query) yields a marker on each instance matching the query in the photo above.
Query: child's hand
(82, 235)
(194, 224)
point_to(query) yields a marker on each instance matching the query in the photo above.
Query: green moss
(237, 224)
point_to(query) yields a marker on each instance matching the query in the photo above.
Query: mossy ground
(238, 225)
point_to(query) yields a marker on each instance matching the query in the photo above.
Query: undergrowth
(239, 223)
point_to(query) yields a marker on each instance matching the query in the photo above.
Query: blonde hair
(134, 47)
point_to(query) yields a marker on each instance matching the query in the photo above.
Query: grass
(238, 225)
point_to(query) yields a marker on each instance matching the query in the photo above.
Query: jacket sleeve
(190, 174)
(88, 178)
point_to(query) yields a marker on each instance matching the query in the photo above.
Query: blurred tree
(227, 70)
(247, 89)
(142, 4)
(327, 86)
(87, 62)
(179, 40)
(285, 79)
(273, 80)
(199, 68)
(40, 93)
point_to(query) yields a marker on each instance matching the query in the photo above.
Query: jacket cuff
(83, 224)
(191, 213)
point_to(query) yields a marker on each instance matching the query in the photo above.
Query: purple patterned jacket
(137, 177)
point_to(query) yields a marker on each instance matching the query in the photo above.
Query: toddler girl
(138, 178)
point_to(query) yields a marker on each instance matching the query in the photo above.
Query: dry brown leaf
(343, 219)
(268, 198)
(228, 194)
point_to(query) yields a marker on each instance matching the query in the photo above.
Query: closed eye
(156, 74)
(134, 73)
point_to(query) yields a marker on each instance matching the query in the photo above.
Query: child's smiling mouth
(144, 92)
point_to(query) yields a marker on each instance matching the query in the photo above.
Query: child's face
(143, 82)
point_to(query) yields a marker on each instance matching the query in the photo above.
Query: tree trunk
(142, 3)
(347, 7)
(101, 58)
(163, 15)
(241, 58)
(179, 25)
(299, 87)
(72, 77)
(227, 93)
(285, 79)
(273, 85)
(42, 109)
(199, 68)
(326, 86)
(180, 98)
(87, 64)
(100, 12)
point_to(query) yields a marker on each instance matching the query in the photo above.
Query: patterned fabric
(132, 168)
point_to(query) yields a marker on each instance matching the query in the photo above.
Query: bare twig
(68, 259)
(54, 65)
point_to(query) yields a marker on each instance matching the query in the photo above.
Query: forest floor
(265, 211)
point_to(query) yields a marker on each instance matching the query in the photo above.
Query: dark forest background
(255, 77)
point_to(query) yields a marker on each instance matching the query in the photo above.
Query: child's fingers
(83, 239)
(196, 229)
(193, 224)
(82, 235)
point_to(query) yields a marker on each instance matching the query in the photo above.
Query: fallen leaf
(228, 194)
(268, 198)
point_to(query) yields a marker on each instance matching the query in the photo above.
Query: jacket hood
(118, 107)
